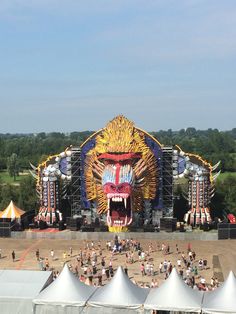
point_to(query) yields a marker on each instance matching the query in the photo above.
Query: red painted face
(123, 188)
(118, 179)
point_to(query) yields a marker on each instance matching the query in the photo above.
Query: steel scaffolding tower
(167, 185)
(75, 195)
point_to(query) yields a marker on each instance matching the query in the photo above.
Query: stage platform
(95, 236)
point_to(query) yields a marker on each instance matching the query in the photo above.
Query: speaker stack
(5, 227)
(168, 224)
(224, 231)
(5, 231)
(73, 224)
(42, 225)
(232, 231)
(61, 226)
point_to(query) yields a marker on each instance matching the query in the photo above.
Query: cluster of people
(94, 265)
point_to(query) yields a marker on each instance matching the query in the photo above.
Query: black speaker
(206, 227)
(5, 232)
(223, 234)
(149, 228)
(61, 226)
(223, 225)
(232, 226)
(168, 224)
(5, 224)
(87, 228)
(5, 220)
(42, 225)
(232, 233)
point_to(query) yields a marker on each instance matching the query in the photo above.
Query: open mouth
(119, 211)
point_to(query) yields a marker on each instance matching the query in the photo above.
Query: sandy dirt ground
(223, 250)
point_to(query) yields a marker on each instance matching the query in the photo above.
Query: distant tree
(3, 163)
(13, 166)
(27, 194)
(226, 188)
(190, 132)
(8, 193)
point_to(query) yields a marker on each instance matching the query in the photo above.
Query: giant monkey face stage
(120, 172)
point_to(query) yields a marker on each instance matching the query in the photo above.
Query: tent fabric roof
(12, 211)
(174, 295)
(221, 300)
(22, 283)
(65, 290)
(120, 292)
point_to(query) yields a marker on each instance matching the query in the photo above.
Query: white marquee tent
(66, 295)
(19, 287)
(120, 295)
(223, 299)
(174, 295)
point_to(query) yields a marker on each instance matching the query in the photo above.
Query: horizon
(94, 131)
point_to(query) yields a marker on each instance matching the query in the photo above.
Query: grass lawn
(5, 178)
(222, 176)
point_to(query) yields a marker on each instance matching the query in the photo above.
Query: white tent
(67, 295)
(19, 287)
(120, 295)
(12, 211)
(174, 295)
(223, 299)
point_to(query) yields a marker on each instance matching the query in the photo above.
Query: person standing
(126, 270)
(37, 254)
(13, 254)
(100, 279)
(160, 267)
(107, 272)
(189, 247)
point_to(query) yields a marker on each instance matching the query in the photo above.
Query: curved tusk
(216, 165)
(33, 167)
(216, 175)
(34, 175)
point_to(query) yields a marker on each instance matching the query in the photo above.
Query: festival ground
(220, 255)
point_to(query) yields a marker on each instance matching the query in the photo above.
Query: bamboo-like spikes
(140, 168)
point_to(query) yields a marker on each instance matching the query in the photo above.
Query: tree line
(211, 144)
(17, 150)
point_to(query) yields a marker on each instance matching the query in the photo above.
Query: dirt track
(25, 249)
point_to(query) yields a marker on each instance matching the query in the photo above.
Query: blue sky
(71, 65)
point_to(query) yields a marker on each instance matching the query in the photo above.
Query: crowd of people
(94, 263)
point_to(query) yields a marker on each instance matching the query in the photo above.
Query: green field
(5, 178)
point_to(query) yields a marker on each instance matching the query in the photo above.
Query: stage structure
(123, 174)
